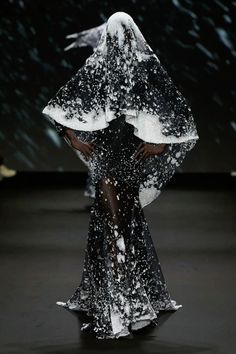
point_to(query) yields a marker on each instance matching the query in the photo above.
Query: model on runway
(132, 127)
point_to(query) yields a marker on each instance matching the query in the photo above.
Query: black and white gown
(122, 285)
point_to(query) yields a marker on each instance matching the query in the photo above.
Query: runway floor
(42, 242)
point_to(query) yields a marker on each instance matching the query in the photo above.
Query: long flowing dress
(121, 97)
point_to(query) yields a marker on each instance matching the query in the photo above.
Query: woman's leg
(116, 200)
(124, 239)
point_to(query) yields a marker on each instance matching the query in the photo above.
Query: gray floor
(43, 236)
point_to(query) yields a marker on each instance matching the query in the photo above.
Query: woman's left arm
(148, 149)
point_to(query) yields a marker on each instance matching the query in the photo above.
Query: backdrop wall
(193, 39)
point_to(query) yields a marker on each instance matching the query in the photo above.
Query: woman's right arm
(85, 148)
(69, 135)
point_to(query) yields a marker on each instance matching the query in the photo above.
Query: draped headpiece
(125, 76)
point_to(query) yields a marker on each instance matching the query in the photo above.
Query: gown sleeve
(60, 129)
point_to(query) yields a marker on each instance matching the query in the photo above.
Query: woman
(131, 126)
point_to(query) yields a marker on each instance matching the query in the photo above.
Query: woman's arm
(69, 135)
(85, 148)
(147, 149)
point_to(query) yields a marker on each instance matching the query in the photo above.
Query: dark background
(194, 40)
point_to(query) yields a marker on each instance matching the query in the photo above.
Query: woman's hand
(147, 149)
(85, 148)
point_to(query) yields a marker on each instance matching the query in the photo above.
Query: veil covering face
(124, 76)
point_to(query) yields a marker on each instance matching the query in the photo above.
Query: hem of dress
(134, 325)
(147, 126)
